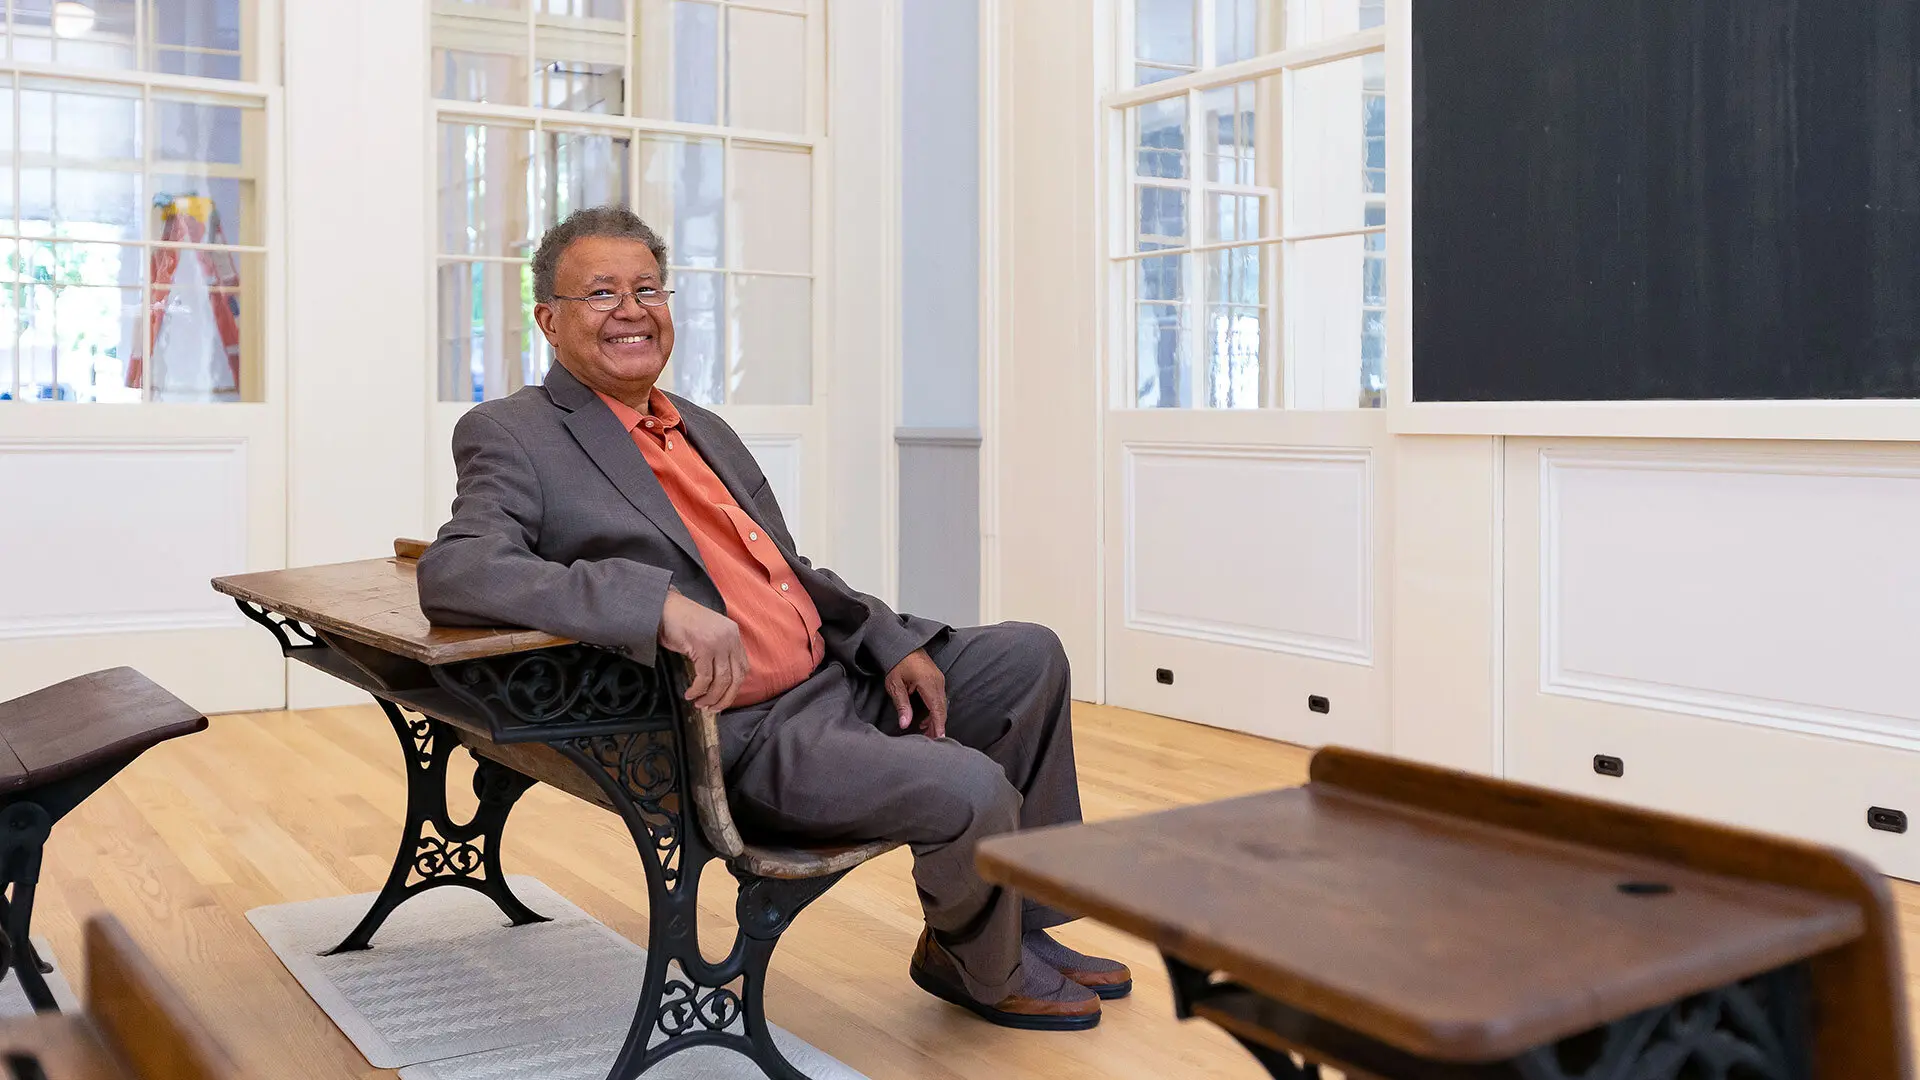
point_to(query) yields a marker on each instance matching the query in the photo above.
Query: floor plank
(268, 808)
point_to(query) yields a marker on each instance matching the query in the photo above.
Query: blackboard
(1631, 200)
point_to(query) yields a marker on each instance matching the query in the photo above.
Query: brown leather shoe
(936, 973)
(1107, 984)
(1108, 978)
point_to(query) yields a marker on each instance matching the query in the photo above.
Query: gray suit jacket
(560, 525)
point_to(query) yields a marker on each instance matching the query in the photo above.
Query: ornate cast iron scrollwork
(1751, 1030)
(570, 684)
(292, 634)
(1756, 1029)
(435, 857)
(646, 766)
(683, 1007)
(435, 850)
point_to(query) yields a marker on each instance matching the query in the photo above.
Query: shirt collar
(658, 406)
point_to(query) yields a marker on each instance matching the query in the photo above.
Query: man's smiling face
(620, 352)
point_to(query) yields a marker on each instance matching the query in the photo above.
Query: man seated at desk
(600, 508)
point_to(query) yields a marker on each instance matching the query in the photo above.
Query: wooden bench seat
(58, 745)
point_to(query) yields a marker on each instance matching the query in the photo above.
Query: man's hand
(712, 642)
(918, 674)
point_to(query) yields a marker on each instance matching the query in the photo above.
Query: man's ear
(543, 314)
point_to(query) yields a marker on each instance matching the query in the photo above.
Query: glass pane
(1237, 33)
(1149, 73)
(1229, 117)
(583, 170)
(196, 37)
(1161, 354)
(86, 182)
(772, 196)
(766, 71)
(1373, 324)
(697, 370)
(1327, 148)
(1236, 318)
(1233, 276)
(1163, 32)
(678, 61)
(10, 389)
(682, 188)
(1162, 220)
(206, 152)
(486, 173)
(80, 121)
(1234, 217)
(581, 59)
(1309, 21)
(488, 344)
(614, 10)
(1163, 277)
(205, 326)
(1327, 325)
(504, 5)
(1374, 121)
(96, 34)
(1233, 356)
(496, 78)
(770, 324)
(1160, 138)
(83, 204)
(80, 323)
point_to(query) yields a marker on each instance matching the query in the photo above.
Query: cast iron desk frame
(622, 723)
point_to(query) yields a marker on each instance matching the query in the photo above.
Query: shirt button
(649, 422)
(783, 586)
(753, 536)
(669, 444)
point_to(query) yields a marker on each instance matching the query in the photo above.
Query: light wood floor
(276, 807)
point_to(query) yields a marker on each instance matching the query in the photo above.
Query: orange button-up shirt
(779, 625)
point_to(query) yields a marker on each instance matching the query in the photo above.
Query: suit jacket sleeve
(484, 569)
(878, 642)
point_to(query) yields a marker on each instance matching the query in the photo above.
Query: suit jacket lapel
(707, 443)
(611, 447)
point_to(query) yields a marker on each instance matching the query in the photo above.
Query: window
(1249, 253)
(131, 233)
(702, 115)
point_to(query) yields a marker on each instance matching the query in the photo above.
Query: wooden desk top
(375, 602)
(1451, 938)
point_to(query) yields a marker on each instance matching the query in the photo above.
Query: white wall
(940, 213)
(358, 217)
(1040, 510)
(1730, 616)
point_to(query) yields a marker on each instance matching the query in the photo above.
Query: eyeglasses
(607, 300)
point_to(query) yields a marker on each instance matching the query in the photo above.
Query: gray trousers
(827, 761)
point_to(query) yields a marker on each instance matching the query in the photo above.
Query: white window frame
(260, 32)
(540, 119)
(1277, 243)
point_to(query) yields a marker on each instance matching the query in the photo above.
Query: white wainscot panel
(779, 458)
(107, 537)
(1262, 547)
(1773, 590)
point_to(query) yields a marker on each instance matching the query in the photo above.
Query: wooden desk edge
(470, 643)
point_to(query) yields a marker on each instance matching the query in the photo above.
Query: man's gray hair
(613, 221)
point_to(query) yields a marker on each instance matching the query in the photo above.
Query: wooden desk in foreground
(1397, 921)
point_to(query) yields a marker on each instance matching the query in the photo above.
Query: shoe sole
(1109, 993)
(992, 1015)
